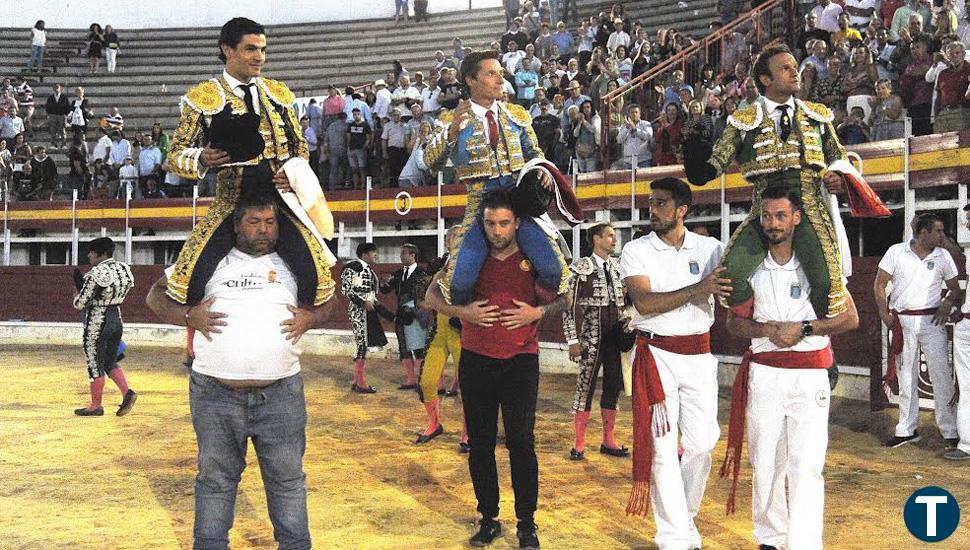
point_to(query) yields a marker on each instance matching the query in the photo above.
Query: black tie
(248, 97)
(785, 122)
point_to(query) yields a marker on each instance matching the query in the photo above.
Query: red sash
(818, 359)
(890, 383)
(649, 411)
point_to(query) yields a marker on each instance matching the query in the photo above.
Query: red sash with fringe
(649, 410)
(818, 359)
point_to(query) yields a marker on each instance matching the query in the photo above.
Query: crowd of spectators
(872, 62)
(105, 167)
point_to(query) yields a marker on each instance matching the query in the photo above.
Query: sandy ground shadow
(80, 483)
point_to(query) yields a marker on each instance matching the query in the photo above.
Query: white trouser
(677, 485)
(787, 426)
(112, 56)
(920, 332)
(961, 360)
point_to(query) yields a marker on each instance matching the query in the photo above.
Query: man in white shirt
(511, 59)
(405, 94)
(828, 13)
(672, 276)
(245, 381)
(101, 148)
(781, 394)
(636, 138)
(383, 103)
(618, 38)
(961, 364)
(120, 149)
(915, 313)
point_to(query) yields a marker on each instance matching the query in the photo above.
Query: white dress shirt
(237, 89)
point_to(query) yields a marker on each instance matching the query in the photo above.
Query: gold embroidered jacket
(203, 101)
(471, 153)
(751, 139)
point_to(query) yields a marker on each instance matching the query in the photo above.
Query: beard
(777, 237)
(662, 228)
(256, 247)
(500, 243)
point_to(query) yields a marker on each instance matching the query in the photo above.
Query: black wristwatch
(807, 329)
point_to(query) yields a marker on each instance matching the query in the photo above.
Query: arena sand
(95, 483)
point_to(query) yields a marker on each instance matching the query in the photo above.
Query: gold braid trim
(818, 215)
(747, 119)
(227, 189)
(474, 191)
(325, 283)
(207, 98)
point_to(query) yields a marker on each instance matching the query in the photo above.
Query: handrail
(683, 56)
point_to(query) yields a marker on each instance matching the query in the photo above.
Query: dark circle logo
(931, 514)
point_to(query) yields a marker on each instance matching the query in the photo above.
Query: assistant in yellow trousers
(446, 341)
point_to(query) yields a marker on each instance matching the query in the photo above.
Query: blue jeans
(224, 419)
(36, 57)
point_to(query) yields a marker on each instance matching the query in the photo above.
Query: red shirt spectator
(951, 86)
(914, 88)
(668, 137)
(887, 8)
(333, 105)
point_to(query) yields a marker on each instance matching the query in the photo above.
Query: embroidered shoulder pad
(277, 91)
(445, 117)
(517, 113)
(746, 119)
(816, 111)
(583, 266)
(354, 265)
(208, 97)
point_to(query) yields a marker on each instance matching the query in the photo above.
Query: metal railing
(772, 21)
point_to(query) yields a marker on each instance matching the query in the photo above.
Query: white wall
(127, 14)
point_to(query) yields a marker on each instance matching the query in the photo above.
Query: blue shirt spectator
(149, 160)
(120, 150)
(564, 40)
(526, 80)
(356, 103)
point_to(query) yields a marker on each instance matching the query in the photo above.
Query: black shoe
(576, 455)
(442, 391)
(766, 547)
(364, 389)
(526, 532)
(89, 412)
(408, 387)
(120, 357)
(488, 530)
(952, 442)
(127, 403)
(897, 441)
(621, 452)
(353, 387)
(451, 393)
(426, 438)
(463, 448)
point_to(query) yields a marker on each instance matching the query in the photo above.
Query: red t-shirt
(951, 86)
(499, 282)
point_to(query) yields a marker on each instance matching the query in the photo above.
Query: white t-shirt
(101, 148)
(253, 292)
(669, 269)
(39, 38)
(782, 293)
(916, 283)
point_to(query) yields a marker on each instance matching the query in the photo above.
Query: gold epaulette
(445, 117)
(517, 113)
(816, 111)
(277, 91)
(583, 266)
(207, 98)
(746, 119)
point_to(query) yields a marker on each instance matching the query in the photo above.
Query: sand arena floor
(96, 483)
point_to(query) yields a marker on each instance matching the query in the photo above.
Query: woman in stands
(95, 44)
(80, 112)
(669, 136)
(160, 139)
(861, 79)
(111, 47)
(623, 63)
(38, 44)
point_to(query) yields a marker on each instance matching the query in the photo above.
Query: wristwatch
(807, 329)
